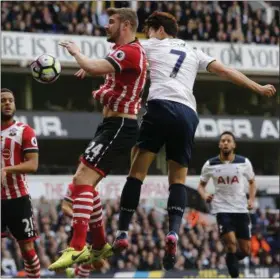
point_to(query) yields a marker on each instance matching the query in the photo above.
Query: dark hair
(228, 133)
(125, 14)
(3, 90)
(166, 20)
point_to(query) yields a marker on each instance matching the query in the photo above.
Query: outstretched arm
(240, 79)
(92, 66)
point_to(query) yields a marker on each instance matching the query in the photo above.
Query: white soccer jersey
(173, 68)
(228, 179)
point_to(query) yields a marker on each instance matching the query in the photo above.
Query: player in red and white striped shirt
(19, 155)
(125, 70)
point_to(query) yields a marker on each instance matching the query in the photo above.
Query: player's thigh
(243, 226)
(4, 217)
(180, 139)
(227, 230)
(152, 131)
(176, 173)
(111, 147)
(142, 160)
(22, 224)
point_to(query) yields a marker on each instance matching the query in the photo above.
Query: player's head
(8, 107)
(161, 25)
(121, 21)
(227, 143)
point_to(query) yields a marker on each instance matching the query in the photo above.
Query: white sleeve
(205, 172)
(204, 60)
(249, 172)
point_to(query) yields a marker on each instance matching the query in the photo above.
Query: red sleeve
(29, 140)
(69, 194)
(126, 57)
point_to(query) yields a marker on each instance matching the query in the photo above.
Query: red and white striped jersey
(122, 89)
(16, 140)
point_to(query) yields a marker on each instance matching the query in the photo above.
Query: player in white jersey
(170, 120)
(229, 173)
(19, 155)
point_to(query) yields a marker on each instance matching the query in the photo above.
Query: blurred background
(243, 35)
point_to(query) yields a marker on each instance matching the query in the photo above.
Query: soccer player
(83, 270)
(19, 155)
(125, 69)
(170, 120)
(229, 203)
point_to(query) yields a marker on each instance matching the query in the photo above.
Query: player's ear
(161, 30)
(126, 23)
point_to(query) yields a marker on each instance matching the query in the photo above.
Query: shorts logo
(120, 55)
(6, 153)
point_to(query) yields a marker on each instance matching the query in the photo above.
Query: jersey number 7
(182, 56)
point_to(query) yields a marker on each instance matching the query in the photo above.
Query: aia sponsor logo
(228, 179)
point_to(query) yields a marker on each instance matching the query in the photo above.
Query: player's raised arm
(92, 66)
(240, 79)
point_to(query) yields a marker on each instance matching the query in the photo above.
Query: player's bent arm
(30, 164)
(94, 67)
(201, 189)
(252, 189)
(66, 207)
(239, 78)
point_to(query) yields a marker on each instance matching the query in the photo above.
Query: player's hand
(3, 175)
(72, 48)
(81, 74)
(267, 90)
(250, 204)
(209, 197)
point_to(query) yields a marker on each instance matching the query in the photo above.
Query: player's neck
(7, 123)
(230, 157)
(126, 40)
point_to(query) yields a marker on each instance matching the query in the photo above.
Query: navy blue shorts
(239, 223)
(171, 124)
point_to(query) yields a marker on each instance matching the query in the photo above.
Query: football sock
(176, 204)
(96, 223)
(232, 265)
(82, 208)
(83, 271)
(129, 201)
(31, 264)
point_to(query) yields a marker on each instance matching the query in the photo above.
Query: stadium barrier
(24, 47)
(54, 187)
(69, 125)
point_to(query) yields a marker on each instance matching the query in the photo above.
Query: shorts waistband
(119, 120)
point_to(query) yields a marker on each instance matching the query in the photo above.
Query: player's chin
(7, 115)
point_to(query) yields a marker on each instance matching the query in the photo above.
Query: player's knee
(139, 175)
(231, 246)
(26, 246)
(246, 250)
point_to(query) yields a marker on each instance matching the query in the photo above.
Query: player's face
(8, 106)
(113, 28)
(227, 144)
